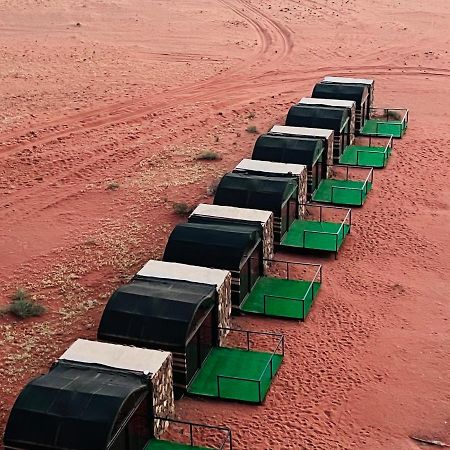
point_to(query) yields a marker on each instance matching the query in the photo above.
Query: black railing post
(191, 435)
(218, 386)
(259, 391)
(248, 340)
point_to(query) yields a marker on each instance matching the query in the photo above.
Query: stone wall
(352, 124)
(224, 308)
(163, 398)
(268, 245)
(330, 151)
(302, 192)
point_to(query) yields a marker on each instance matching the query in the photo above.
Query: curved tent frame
(156, 313)
(74, 407)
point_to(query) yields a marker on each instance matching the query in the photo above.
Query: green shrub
(26, 308)
(23, 306)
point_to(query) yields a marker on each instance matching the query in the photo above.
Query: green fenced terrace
(365, 156)
(280, 297)
(237, 374)
(160, 444)
(342, 192)
(386, 122)
(316, 235)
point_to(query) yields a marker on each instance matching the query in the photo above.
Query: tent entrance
(386, 122)
(250, 272)
(200, 344)
(287, 291)
(348, 188)
(325, 229)
(181, 435)
(368, 152)
(239, 371)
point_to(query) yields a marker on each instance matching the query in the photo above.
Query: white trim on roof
(183, 272)
(116, 356)
(302, 131)
(270, 167)
(328, 102)
(348, 80)
(230, 212)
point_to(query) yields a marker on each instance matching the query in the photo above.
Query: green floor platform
(314, 235)
(242, 366)
(365, 156)
(160, 444)
(342, 192)
(383, 128)
(283, 298)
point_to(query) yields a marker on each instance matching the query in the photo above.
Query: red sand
(132, 94)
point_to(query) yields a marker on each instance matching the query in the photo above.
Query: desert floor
(129, 92)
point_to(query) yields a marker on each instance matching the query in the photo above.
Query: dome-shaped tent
(276, 194)
(237, 248)
(358, 93)
(97, 396)
(315, 116)
(290, 149)
(173, 315)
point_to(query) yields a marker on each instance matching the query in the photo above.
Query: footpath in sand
(100, 92)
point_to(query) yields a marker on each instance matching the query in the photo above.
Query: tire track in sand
(271, 36)
(275, 44)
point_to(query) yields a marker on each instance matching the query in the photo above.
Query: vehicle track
(271, 35)
(275, 44)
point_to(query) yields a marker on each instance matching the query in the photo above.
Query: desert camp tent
(358, 93)
(96, 396)
(205, 213)
(237, 248)
(349, 105)
(172, 315)
(326, 136)
(336, 119)
(290, 149)
(276, 194)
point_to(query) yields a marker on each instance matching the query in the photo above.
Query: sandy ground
(95, 92)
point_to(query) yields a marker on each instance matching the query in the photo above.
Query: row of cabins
(168, 331)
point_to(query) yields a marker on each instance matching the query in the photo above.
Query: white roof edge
(270, 167)
(301, 131)
(348, 80)
(116, 356)
(327, 102)
(231, 212)
(183, 272)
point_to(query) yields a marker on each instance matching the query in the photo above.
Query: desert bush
(252, 129)
(208, 155)
(23, 306)
(112, 186)
(394, 115)
(212, 188)
(182, 209)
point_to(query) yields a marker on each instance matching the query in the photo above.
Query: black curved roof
(255, 191)
(211, 245)
(73, 407)
(316, 116)
(354, 92)
(155, 312)
(286, 149)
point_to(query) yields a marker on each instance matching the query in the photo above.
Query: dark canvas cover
(316, 116)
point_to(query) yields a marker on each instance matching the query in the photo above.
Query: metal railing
(363, 190)
(403, 119)
(385, 152)
(340, 233)
(191, 425)
(317, 275)
(254, 381)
